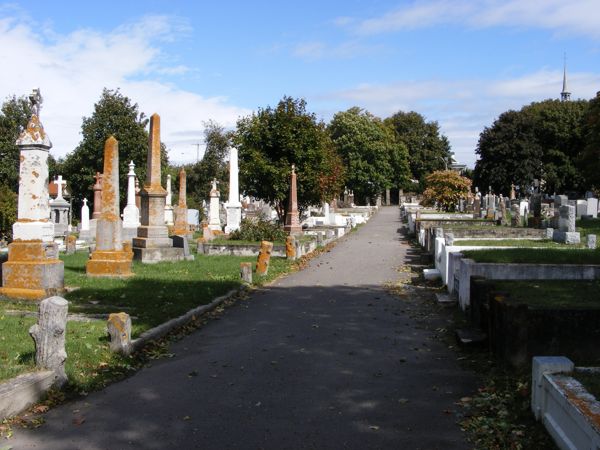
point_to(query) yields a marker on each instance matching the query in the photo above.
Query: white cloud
(573, 17)
(463, 108)
(72, 69)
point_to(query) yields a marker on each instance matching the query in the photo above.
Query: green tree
(8, 211)
(373, 158)
(589, 161)
(114, 114)
(14, 115)
(273, 139)
(428, 150)
(445, 187)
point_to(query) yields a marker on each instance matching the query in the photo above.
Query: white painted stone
(592, 207)
(131, 213)
(582, 208)
(214, 220)
(85, 216)
(233, 205)
(431, 274)
(169, 213)
(326, 213)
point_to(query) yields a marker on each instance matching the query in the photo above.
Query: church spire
(565, 95)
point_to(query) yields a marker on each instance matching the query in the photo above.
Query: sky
(460, 62)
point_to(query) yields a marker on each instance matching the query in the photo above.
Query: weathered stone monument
(131, 213)
(110, 259)
(84, 225)
(233, 205)
(264, 258)
(181, 223)
(60, 209)
(214, 219)
(515, 215)
(292, 219)
(246, 272)
(33, 270)
(97, 196)
(49, 336)
(119, 330)
(566, 232)
(152, 243)
(169, 213)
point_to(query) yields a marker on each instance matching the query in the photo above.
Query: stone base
(28, 231)
(129, 233)
(169, 215)
(85, 235)
(234, 218)
(151, 255)
(32, 271)
(109, 263)
(566, 237)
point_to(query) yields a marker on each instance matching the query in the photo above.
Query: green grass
(537, 243)
(591, 382)
(224, 241)
(155, 294)
(550, 294)
(535, 256)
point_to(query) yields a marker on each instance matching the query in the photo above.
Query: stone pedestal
(214, 219)
(292, 218)
(233, 205)
(234, 218)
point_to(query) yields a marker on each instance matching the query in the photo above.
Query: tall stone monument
(181, 220)
(109, 259)
(152, 243)
(169, 213)
(214, 219)
(131, 213)
(233, 205)
(97, 196)
(84, 225)
(292, 219)
(33, 270)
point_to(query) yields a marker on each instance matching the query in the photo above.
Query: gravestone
(246, 272)
(110, 259)
(290, 247)
(214, 216)
(152, 243)
(84, 225)
(233, 205)
(181, 241)
(181, 227)
(264, 258)
(566, 233)
(70, 244)
(476, 208)
(582, 208)
(131, 213)
(591, 241)
(119, 330)
(560, 200)
(592, 207)
(60, 209)
(169, 212)
(292, 219)
(515, 219)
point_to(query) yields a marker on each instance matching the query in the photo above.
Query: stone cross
(85, 216)
(59, 182)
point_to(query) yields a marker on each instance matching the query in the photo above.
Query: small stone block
(591, 241)
(431, 274)
(119, 330)
(264, 258)
(444, 299)
(290, 247)
(246, 272)
(549, 233)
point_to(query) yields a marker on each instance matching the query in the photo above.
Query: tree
(589, 161)
(14, 115)
(428, 150)
(212, 165)
(373, 158)
(114, 114)
(8, 211)
(273, 139)
(445, 187)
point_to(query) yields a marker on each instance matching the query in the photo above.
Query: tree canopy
(270, 141)
(428, 150)
(373, 158)
(590, 156)
(445, 188)
(14, 115)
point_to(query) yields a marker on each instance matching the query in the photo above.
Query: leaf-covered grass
(535, 256)
(536, 243)
(554, 294)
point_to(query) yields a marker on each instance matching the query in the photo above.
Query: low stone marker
(549, 233)
(566, 233)
(181, 241)
(246, 272)
(591, 241)
(264, 258)
(515, 218)
(49, 337)
(119, 330)
(70, 244)
(290, 247)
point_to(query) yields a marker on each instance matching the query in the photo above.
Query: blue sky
(459, 62)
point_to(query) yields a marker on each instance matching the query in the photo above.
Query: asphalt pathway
(325, 358)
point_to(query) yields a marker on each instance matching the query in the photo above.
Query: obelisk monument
(233, 205)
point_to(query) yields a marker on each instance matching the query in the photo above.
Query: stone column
(214, 221)
(292, 219)
(138, 199)
(326, 213)
(109, 259)
(152, 243)
(233, 206)
(181, 224)
(84, 225)
(33, 270)
(131, 214)
(97, 196)
(169, 214)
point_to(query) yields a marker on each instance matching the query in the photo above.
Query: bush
(258, 230)
(8, 211)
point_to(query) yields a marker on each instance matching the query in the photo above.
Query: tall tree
(114, 114)
(445, 188)
(14, 115)
(270, 141)
(428, 149)
(373, 158)
(589, 161)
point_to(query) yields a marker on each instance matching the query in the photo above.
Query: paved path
(323, 359)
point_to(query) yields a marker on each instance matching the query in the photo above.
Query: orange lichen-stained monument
(33, 270)
(110, 259)
(292, 218)
(181, 227)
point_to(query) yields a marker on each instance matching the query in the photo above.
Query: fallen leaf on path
(78, 420)
(374, 427)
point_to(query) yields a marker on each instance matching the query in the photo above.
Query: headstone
(214, 217)
(152, 243)
(181, 227)
(70, 244)
(246, 272)
(582, 208)
(591, 241)
(131, 213)
(560, 200)
(515, 219)
(477, 208)
(181, 241)
(109, 259)
(60, 209)
(567, 218)
(49, 336)
(549, 233)
(169, 212)
(233, 205)
(290, 247)
(592, 207)
(388, 201)
(33, 270)
(503, 213)
(292, 219)
(119, 330)
(264, 258)
(138, 198)
(84, 224)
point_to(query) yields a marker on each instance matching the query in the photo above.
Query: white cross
(59, 182)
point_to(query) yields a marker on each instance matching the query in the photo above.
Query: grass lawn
(553, 294)
(224, 241)
(157, 293)
(535, 256)
(538, 243)
(588, 226)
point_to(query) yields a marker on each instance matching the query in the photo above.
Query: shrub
(8, 211)
(258, 230)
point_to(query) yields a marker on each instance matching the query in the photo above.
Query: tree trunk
(49, 337)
